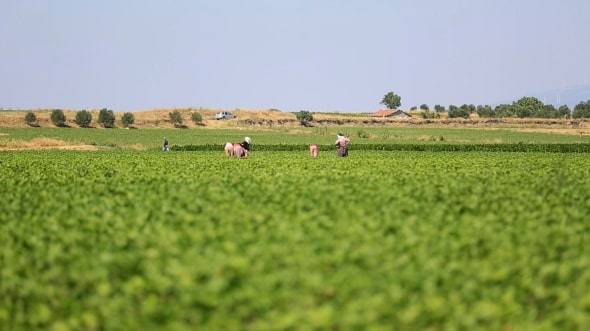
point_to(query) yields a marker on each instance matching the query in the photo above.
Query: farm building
(393, 113)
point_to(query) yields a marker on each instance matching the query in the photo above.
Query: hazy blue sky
(316, 55)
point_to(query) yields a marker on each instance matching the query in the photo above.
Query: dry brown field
(265, 118)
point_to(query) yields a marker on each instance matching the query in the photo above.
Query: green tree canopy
(548, 111)
(30, 118)
(83, 118)
(304, 117)
(106, 118)
(458, 112)
(391, 100)
(58, 117)
(582, 110)
(196, 117)
(176, 118)
(564, 111)
(485, 111)
(504, 110)
(528, 107)
(127, 119)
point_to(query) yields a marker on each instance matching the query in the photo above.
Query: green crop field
(119, 239)
(152, 138)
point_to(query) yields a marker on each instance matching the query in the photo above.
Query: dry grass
(41, 143)
(159, 118)
(151, 118)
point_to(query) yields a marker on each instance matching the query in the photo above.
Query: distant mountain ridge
(570, 96)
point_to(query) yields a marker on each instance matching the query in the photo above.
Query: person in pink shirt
(341, 145)
(313, 150)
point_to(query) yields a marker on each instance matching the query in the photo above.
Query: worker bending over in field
(246, 146)
(341, 145)
(229, 149)
(238, 149)
(313, 150)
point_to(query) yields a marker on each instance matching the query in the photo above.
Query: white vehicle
(224, 115)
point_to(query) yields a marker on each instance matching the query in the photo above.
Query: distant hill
(569, 96)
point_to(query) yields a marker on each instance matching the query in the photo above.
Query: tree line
(525, 107)
(106, 118)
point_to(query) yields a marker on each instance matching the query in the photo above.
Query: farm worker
(229, 149)
(341, 145)
(238, 150)
(313, 150)
(165, 147)
(246, 146)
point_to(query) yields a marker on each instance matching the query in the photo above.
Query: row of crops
(519, 147)
(381, 240)
(406, 138)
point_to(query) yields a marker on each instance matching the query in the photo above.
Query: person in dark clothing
(246, 145)
(165, 147)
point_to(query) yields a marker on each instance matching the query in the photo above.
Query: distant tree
(504, 111)
(430, 114)
(414, 108)
(522, 112)
(582, 110)
(106, 118)
(439, 108)
(127, 119)
(304, 117)
(452, 107)
(176, 118)
(470, 108)
(528, 107)
(30, 118)
(424, 106)
(196, 118)
(58, 117)
(464, 107)
(83, 118)
(391, 100)
(458, 112)
(484, 111)
(548, 111)
(564, 111)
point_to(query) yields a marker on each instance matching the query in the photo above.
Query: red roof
(383, 112)
(388, 112)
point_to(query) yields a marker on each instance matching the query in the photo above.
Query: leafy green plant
(115, 240)
(362, 134)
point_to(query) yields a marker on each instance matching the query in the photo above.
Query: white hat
(247, 139)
